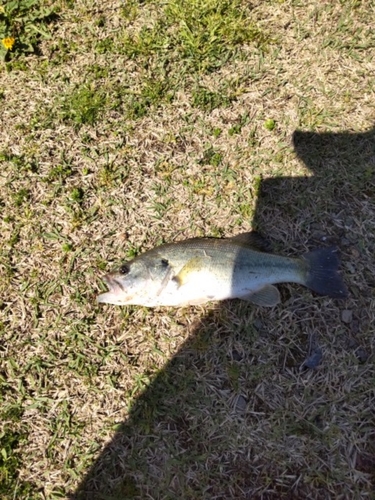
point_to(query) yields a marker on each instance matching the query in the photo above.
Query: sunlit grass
(148, 122)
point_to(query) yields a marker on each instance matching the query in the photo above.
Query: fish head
(138, 282)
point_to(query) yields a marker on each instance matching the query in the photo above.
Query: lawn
(126, 124)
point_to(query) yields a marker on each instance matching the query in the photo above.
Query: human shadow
(181, 434)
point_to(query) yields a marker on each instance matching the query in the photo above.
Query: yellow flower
(8, 42)
(2, 10)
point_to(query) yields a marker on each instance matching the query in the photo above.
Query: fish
(198, 270)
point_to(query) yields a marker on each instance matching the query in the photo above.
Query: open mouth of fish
(116, 292)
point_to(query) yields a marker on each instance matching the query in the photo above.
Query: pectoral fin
(268, 296)
(165, 281)
(194, 265)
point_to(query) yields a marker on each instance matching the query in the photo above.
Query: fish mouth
(116, 293)
(113, 285)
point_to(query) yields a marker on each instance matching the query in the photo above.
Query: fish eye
(164, 262)
(124, 269)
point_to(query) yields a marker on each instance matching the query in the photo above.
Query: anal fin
(268, 296)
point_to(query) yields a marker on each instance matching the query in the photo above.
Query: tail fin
(322, 276)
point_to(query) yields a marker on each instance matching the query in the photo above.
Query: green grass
(10, 463)
(204, 35)
(23, 24)
(147, 122)
(207, 100)
(83, 106)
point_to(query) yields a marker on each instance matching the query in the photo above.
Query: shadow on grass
(207, 424)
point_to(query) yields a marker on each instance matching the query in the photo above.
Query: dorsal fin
(254, 240)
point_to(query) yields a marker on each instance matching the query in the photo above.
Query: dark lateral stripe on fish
(322, 275)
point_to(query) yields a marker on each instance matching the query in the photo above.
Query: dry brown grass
(209, 402)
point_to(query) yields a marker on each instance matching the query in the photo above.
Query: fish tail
(322, 276)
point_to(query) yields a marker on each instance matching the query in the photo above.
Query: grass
(23, 24)
(142, 122)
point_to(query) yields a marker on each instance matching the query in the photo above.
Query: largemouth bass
(199, 270)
